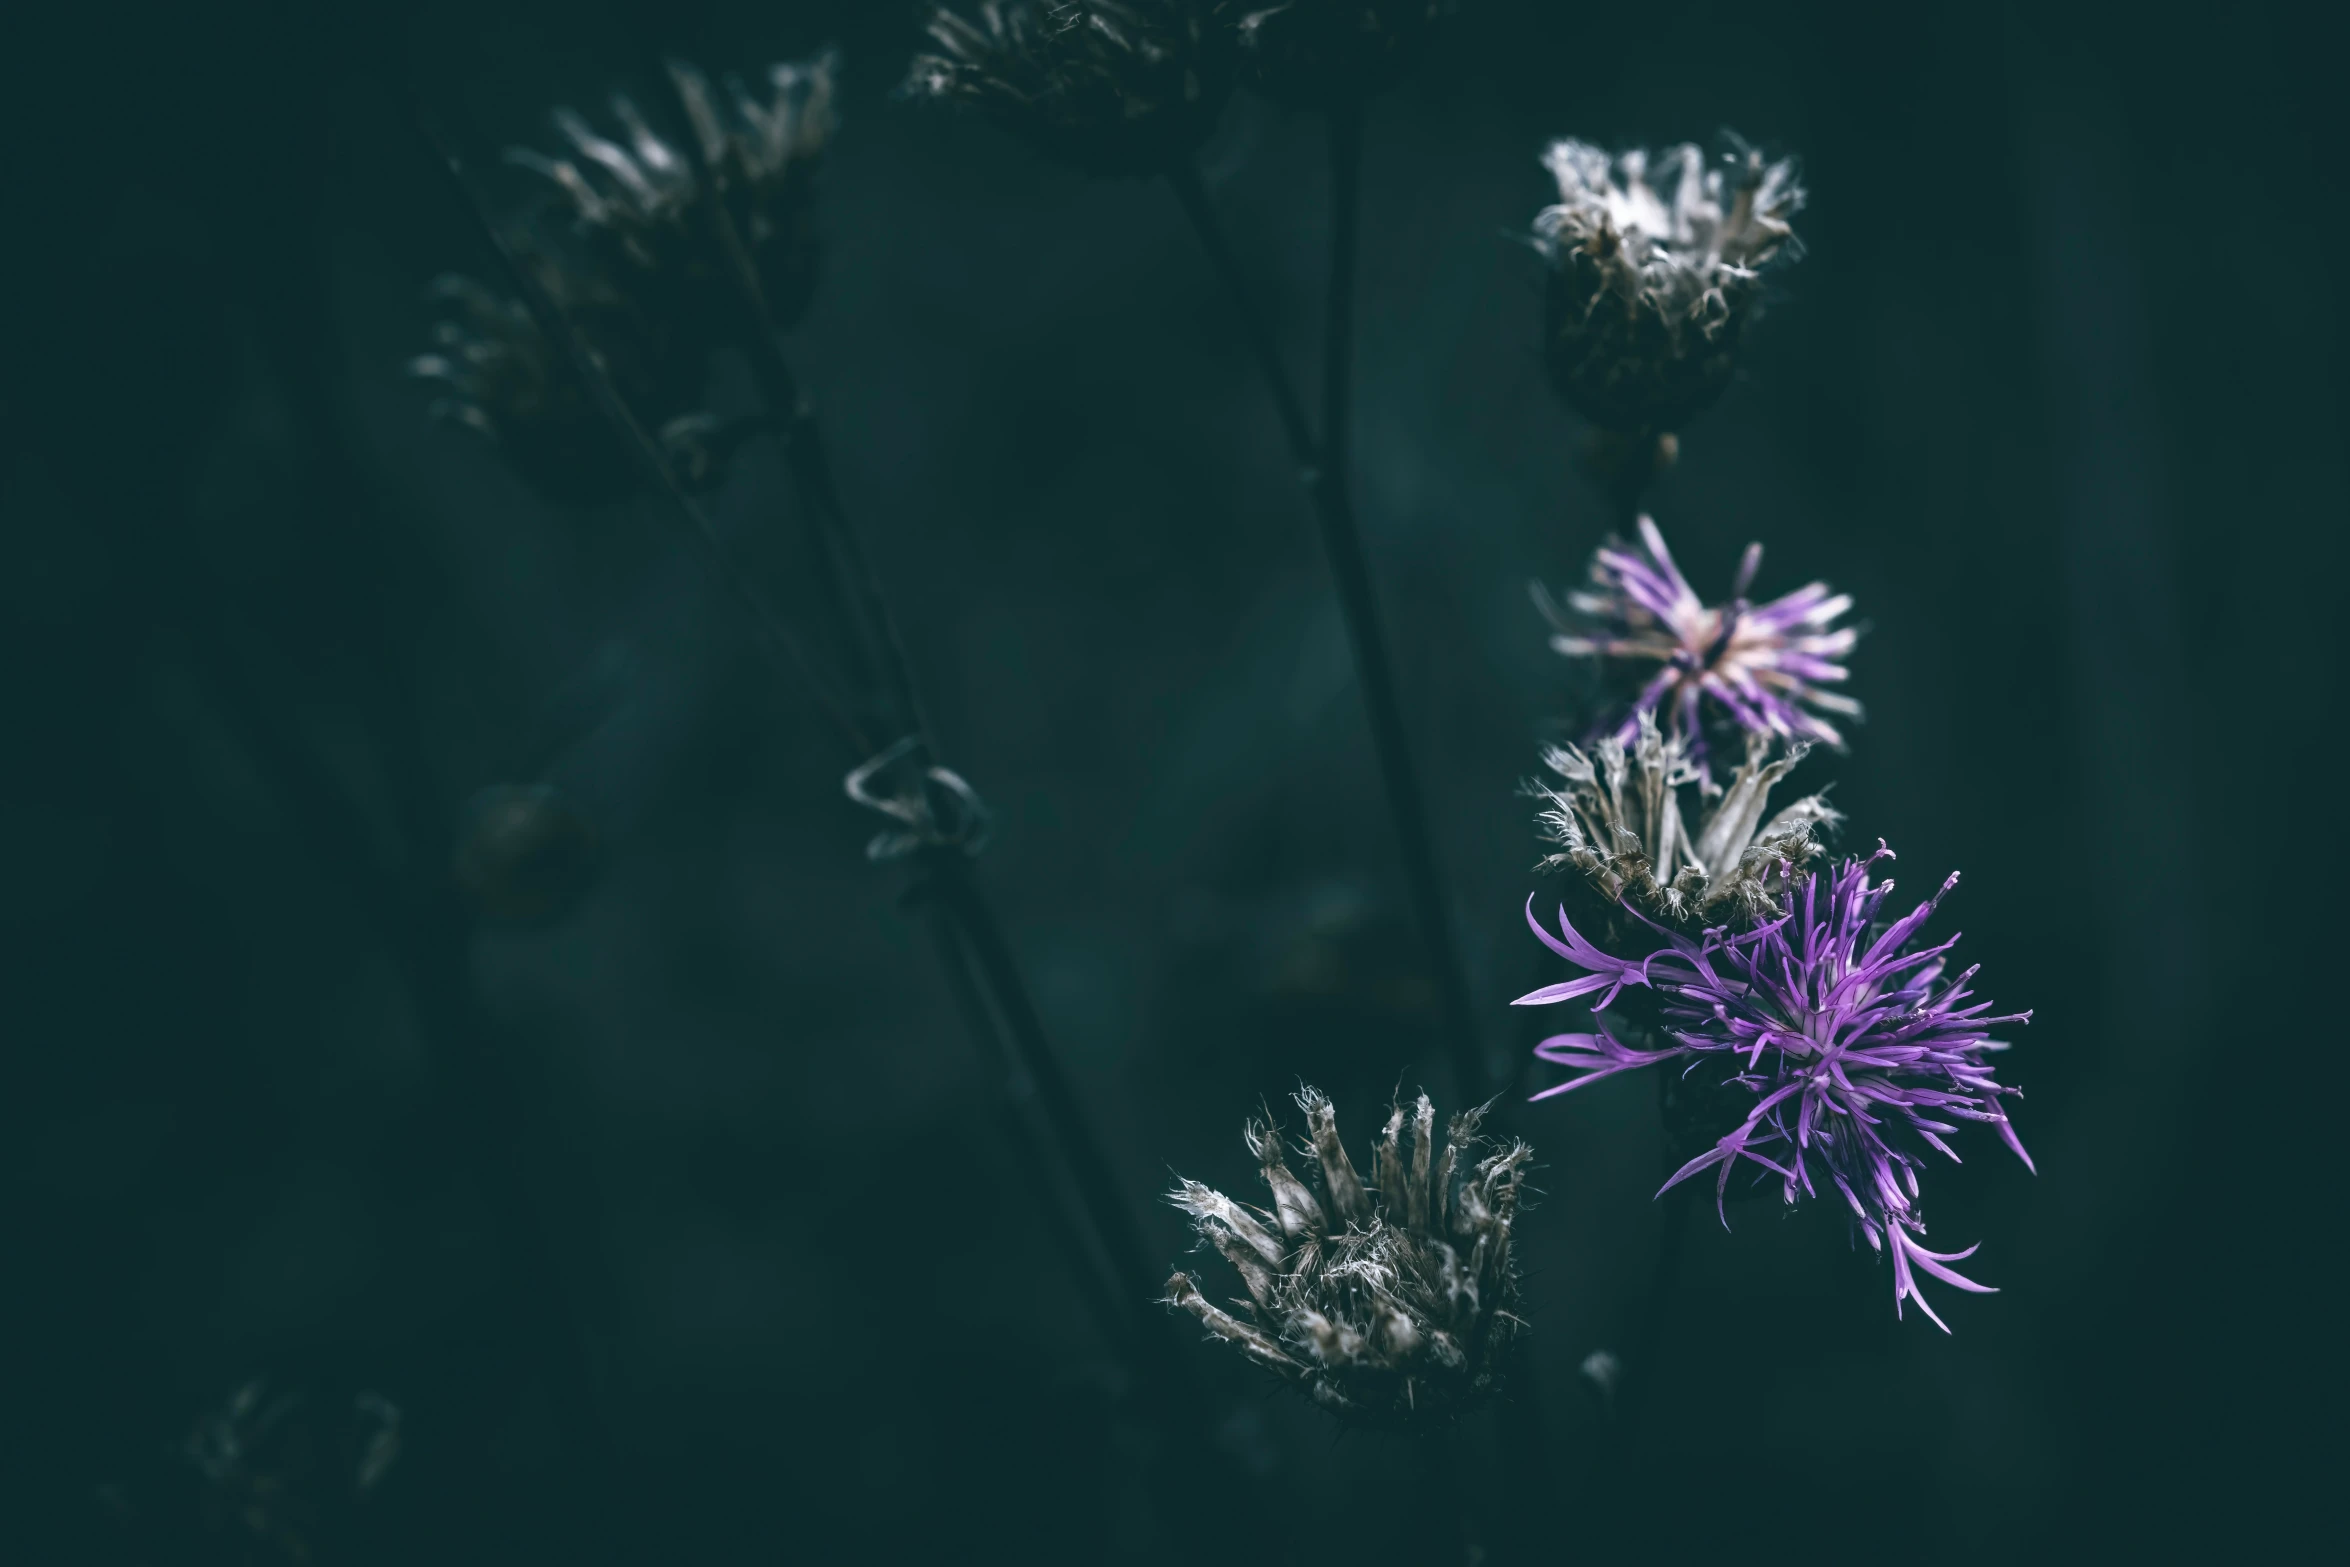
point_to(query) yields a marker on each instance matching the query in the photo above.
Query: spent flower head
(646, 206)
(1324, 51)
(1760, 666)
(500, 375)
(1108, 86)
(1854, 1048)
(1655, 268)
(1617, 819)
(1389, 1304)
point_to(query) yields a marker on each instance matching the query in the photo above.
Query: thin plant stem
(981, 972)
(1648, 1337)
(772, 633)
(949, 874)
(1015, 1105)
(1324, 470)
(1184, 180)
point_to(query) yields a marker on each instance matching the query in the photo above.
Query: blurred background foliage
(647, 1183)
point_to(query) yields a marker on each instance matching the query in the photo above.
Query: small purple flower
(1763, 665)
(1859, 1052)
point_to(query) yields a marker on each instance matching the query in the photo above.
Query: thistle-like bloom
(1652, 283)
(642, 203)
(1761, 665)
(1860, 1052)
(1616, 817)
(1107, 86)
(1391, 1306)
(1321, 51)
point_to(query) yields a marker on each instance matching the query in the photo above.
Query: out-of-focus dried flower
(281, 1474)
(1656, 266)
(1318, 52)
(642, 204)
(525, 856)
(502, 377)
(1616, 817)
(1857, 1051)
(1391, 1305)
(1107, 86)
(1762, 665)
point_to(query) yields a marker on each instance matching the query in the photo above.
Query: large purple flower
(1860, 1053)
(1762, 665)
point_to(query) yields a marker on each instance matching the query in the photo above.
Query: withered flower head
(642, 204)
(1321, 51)
(1617, 818)
(1655, 269)
(1107, 86)
(274, 1476)
(501, 376)
(1391, 1305)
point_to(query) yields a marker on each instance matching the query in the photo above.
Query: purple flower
(1859, 1051)
(1762, 665)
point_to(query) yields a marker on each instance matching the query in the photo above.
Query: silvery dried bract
(1618, 820)
(1325, 51)
(640, 201)
(1108, 86)
(1656, 266)
(1389, 1304)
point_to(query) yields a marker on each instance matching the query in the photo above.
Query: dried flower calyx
(1107, 86)
(1391, 1304)
(1656, 265)
(1616, 816)
(1325, 51)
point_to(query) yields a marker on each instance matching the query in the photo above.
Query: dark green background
(2057, 395)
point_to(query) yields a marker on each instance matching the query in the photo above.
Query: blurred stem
(1325, 470)
(947, 873)
(1664, 1283)
(989, 988)
(1440, 1453)
(770, 630)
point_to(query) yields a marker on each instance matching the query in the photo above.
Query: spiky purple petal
(1861, 1051)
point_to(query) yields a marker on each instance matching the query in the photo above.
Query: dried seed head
(1620, 819)
(643, 266)
(646, 208)
(1106, 86)
(271, 1478)
(501, 376)
(1656, 267)
(1317, 52)
(1390, 1305)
